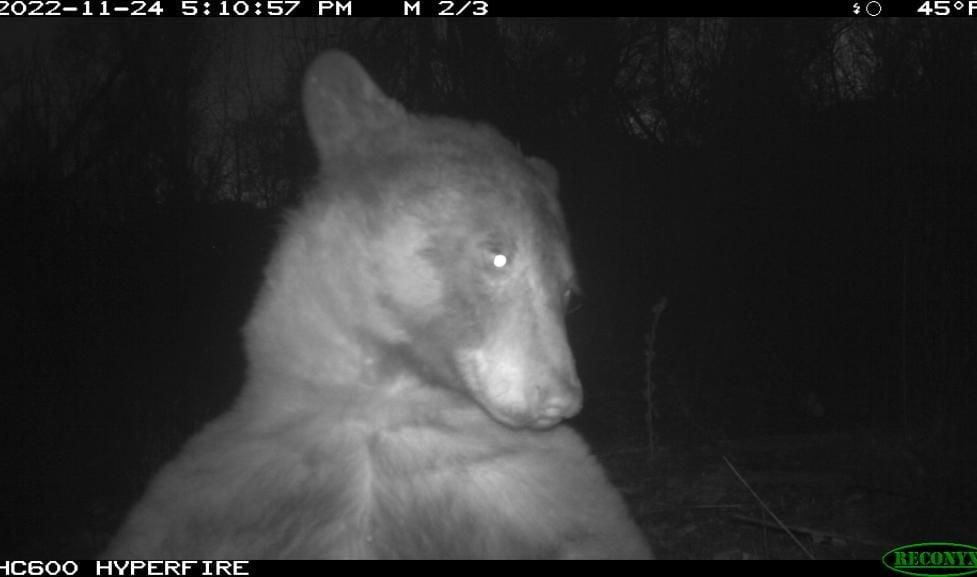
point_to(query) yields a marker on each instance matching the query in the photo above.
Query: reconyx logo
(932, 559)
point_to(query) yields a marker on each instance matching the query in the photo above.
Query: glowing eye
(499, 260)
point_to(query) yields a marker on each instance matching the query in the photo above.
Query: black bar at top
(622, 8)
(926, 9)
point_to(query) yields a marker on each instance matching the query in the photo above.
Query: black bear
(408, 364)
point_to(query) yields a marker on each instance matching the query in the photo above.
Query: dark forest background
(801, 191)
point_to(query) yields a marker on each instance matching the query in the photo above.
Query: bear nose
(561, 402)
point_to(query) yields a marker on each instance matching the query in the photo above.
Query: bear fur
(408, 365)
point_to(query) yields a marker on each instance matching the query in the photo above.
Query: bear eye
(497, 255)
(499, 260)
(571, 300)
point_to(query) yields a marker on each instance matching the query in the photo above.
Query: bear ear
(342, 102)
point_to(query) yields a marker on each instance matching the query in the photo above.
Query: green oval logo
(932, 559)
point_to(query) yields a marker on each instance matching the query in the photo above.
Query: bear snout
(560, 399)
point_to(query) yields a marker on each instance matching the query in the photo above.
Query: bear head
(430, 253)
